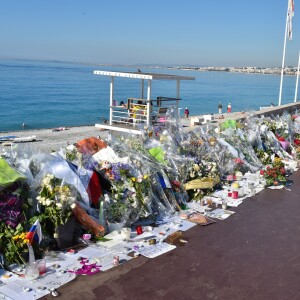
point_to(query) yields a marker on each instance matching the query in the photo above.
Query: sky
(133, 32)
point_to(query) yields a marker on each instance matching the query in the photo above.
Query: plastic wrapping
(13, 195)
(146, 178)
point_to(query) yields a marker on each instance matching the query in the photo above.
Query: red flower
(297, 142)
(176, 183)
(282, 170)
(238, 161)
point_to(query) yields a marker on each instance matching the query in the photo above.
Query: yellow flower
(133, 179)
(26, 241)
(196, 167)
(277, 160)
(15, 237)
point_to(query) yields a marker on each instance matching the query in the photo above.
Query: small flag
(290, 19)
(35, 233)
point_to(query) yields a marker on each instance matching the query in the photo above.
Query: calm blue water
(49, 94)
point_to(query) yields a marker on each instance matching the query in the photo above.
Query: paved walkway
(252, 255)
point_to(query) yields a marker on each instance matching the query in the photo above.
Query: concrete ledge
(119, 128)
(278, 110)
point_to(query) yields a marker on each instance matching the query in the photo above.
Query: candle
(235, 194)
(139, 229)
(224, 204)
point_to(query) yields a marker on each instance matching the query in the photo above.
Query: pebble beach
(48, 140)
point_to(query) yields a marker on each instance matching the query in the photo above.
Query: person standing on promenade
(186, 113)
(229, 108)
(220, 107)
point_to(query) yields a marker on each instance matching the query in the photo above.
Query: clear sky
(197, 32)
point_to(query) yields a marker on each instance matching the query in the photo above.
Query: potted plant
(275, 173)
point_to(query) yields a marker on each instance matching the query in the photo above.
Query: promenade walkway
(254, 254)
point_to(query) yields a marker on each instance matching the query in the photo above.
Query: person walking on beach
(186, 113)
(229, 108)
(220, 107)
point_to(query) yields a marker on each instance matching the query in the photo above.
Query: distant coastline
(247, 70)
(289, 70)
(292, 71)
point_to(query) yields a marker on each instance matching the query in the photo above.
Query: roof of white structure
(143, 75)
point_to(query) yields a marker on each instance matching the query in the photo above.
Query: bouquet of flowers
(13, 243)
(129, 193)
(265, 156)
(275, 173)
(202, 178)
(57, 200)
(116, 208)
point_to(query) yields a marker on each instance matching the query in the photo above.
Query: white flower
(46, 181)
(73, 205)
(48, 202)
(39, 198)
(63, 198)
(49, 187)
(59, 205)
(55, 235)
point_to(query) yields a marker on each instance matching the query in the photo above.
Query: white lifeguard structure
(141, 112)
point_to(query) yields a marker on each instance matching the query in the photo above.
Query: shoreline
(39, 129)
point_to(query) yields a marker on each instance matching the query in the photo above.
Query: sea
(43, 94)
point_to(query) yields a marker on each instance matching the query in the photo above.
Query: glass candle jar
(235, 194)
(139, 229)
(32, 272)
(224, 204)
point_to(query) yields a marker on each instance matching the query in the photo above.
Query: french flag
(35, 233)
(90, 181)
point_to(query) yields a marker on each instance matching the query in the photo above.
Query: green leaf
(101, 239)
(158, 153)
